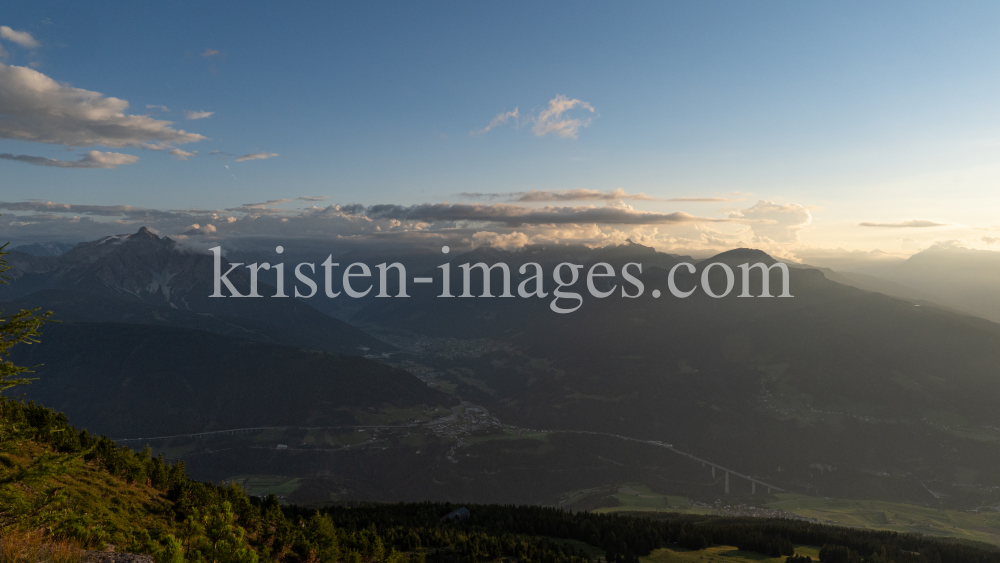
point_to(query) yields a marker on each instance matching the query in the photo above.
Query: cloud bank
(579, 195)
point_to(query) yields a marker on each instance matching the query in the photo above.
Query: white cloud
(257, 156)
(182, 155)
(770, 221)
(157, 106)
(33, 107)
(550, 121)
(93, 159)
(22, 38)
(198, 114)
(500, 119)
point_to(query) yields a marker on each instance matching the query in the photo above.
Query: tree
(17, 328)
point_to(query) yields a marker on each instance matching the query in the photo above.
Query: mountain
(837, 391)
(45, 248)
(962, 278)
(131, 381)
(148, 279)
(959, 279)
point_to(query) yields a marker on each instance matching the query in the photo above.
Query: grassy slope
(42, 488)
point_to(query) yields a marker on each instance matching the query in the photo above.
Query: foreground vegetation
(72, 486)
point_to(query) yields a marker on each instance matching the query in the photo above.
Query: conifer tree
(17, 328)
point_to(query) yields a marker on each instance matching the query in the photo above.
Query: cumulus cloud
(22, 38)
(157, 107)
(991, 240)
(553, 120)
(188, 114)
(181, 154)
(905, 224)
(500, 119)
(33, 107)
(93, 159)
(508, 241)
(770, 221)
(579, 195)
(256, 156)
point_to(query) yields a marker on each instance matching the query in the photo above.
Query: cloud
(579, 194)
(22, 38)
(770, 221)
(33, 107)
(355, 226)
(515, 215)
(93, 159)
(156, 106)
(188, 114)
(3, 54)
(126, 212)
(699, 199)
(991, 240)
(312, 198)
(905, 224)
(210, 53)
(500, 119)
(550, 121)
(256, 156)
(179, 154)
(508, 241)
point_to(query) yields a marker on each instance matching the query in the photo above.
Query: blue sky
(856, 113)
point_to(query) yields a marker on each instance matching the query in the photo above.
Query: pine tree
(17, 328)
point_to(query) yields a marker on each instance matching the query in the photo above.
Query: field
(721, 553)
(981, 525)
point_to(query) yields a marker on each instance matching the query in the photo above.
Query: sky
(808, 130)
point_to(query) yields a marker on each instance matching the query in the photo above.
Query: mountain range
(838, 391)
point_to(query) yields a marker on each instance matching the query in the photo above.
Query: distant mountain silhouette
(143, 278)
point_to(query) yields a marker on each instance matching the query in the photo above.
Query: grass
(39, 487)
(982, 526)
(263, 485)
(639, 497)
(18, 546)
(722, 553)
